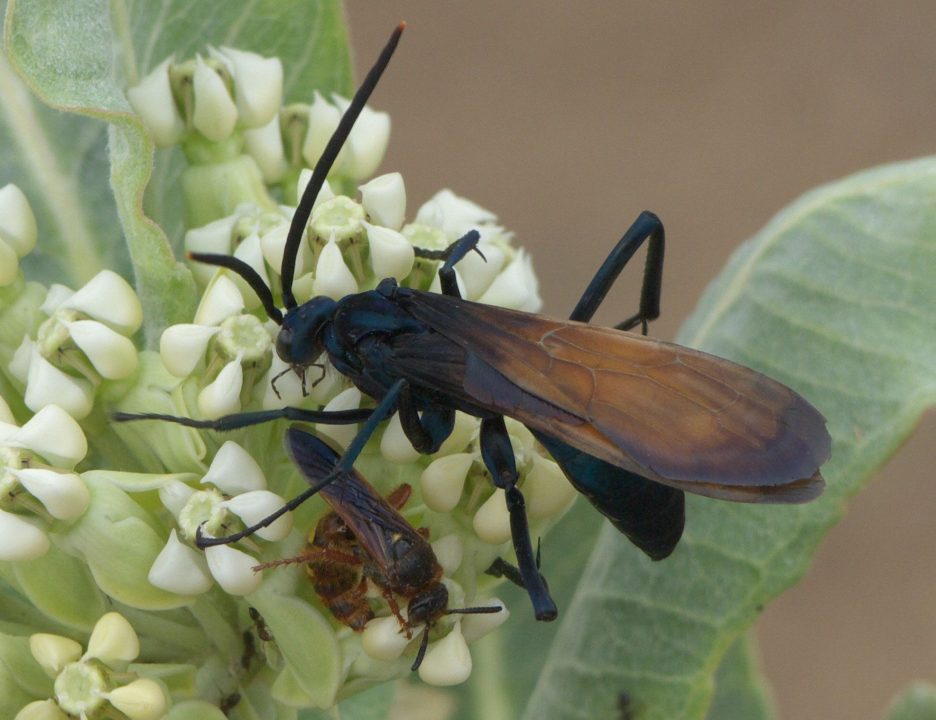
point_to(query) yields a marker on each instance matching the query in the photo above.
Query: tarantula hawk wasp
(632, 421)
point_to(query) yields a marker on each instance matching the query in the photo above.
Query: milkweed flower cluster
(111, 511)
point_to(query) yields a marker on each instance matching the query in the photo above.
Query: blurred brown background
(568, 119)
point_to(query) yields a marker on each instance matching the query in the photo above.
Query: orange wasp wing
(669, 413)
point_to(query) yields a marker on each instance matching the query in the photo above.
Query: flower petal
(112, 354)
(181, 347)
(254, 506)
(447, 661)
(234, 470)
(180, 569)
(22, 541)
(215, 112)
(64, 495)
(384, 200)
(152, 100)
(113, 639)
(233, 569)
(55, 435)
(109, 298)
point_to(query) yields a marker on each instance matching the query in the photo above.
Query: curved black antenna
(249, 275)
(324, 165)
(421, 653)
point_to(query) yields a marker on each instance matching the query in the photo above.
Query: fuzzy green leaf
(81, 62)
(834, 298)
(917, 702)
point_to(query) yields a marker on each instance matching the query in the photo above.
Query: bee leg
(646, 228)
(499, 459)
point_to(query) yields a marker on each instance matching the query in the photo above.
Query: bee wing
(667, 412)
(374, 522)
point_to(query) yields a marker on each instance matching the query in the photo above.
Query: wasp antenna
(325, 162)
(250, 276)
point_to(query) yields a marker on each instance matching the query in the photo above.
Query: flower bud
(64, 495)
(447, 661)
(349, 399)
(180, 569)
(367, 142)
(47, 385)
(465, 430)
(546, 489)
(181, 347)
(383, 639)
(55, 435)
(476, 626)
(258, 85)
(215, 237)
(391, 254)
(265, 145)
(253, 506)
(326, 193)
(221, 300)
(113, 640)
(233, 569)
(113, 355)
(332, 276)
(394, 445)
(109, 298)
(454, 214)
(22, 541)
(492, 520)
(516, 287)
(323, 120)
(17, 222)
(41, 710)
(215, 113)
(53, 652)
(449, 551)
(222, 396)
(249, 251)
(141, 699)
(152, 100)
(384, 200)
(443, 480)
(234, 470)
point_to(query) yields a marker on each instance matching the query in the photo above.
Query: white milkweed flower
(37, 485)
(97, 682)
(258, 84)
(234, 485)
(84, 341)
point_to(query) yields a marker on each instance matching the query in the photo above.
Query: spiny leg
(499, 459)
(646, 228)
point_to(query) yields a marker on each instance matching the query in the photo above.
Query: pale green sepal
(213, 191)
(20, 315)
(155, 443)
(22, 679)
(195, 710)
(118, 540)
(305, 638)
(42, 580)
(138, 482)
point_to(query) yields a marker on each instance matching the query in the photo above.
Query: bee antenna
(423, 644)
(249, 275)
(324, 165)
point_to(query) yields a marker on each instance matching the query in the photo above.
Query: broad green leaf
(81, 62)
(740, 689)
(834, 297)
(917, 702)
